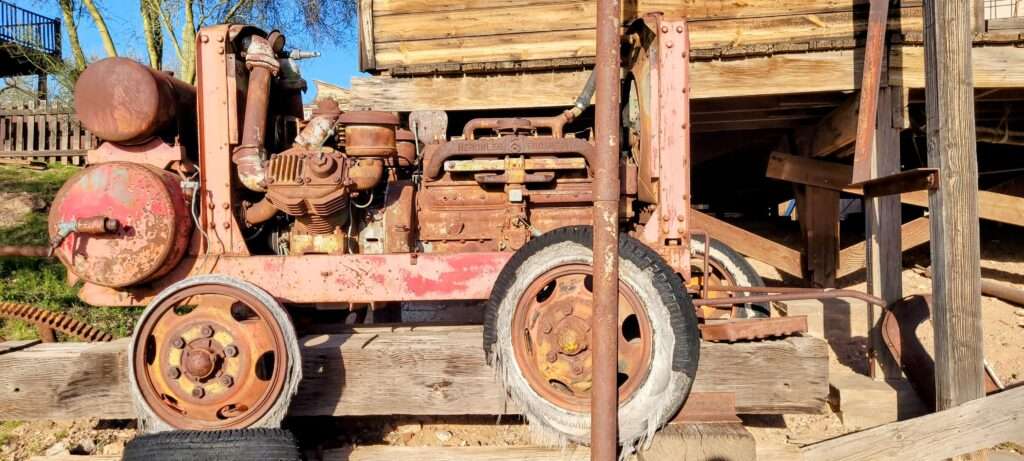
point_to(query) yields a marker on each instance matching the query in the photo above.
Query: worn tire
(149, 422)
(737, 268)
(673, 321)
(229, 445)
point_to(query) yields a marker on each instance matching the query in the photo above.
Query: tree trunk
(149, 10)
(188, 44)
(67, 10)
(101, 27)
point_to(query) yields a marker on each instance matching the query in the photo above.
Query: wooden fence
(45, 132)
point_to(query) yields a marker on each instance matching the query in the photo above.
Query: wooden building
(767, 76)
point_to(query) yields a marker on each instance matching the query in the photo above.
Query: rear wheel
(725, 267)
(537, 333)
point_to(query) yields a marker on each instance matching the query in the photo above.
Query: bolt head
(198, 392)
(231, 350)
(178, 343)
(552, 356)
(206, 331)
(174, 373)
(547, 327)
(227, 381)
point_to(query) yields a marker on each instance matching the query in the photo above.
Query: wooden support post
(882, 218)
(819, 219)
(955, 252)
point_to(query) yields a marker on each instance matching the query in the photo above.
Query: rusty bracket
(905, 181)
(748, 329)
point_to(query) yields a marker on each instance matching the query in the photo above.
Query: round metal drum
(124, 101)
(152, 212)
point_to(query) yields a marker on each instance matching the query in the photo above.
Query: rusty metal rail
(49, 321)
(783, 294)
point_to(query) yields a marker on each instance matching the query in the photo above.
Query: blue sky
(337, 64)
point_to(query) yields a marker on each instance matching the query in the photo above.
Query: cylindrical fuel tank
(153, 217)
(121, 100)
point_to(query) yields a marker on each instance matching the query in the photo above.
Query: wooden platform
(410, 371)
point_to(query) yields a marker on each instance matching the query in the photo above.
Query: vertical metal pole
(604, 402)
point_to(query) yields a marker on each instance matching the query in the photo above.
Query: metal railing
(27, 29)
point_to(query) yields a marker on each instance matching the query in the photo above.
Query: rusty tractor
(229, 214)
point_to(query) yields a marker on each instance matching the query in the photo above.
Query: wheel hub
(552, 337)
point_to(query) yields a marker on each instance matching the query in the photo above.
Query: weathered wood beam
(975, 425)
(833, 133)
(854, 257)
(566, 30)
(702, 442)
(367, 48)
(993, 67)
(882, 233)
(808, 171)
(956, 245)
(779, 74)
(385, 370)
(748, 243)
(819, 218)
(992, 206)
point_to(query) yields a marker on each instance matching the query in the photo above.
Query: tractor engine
(315, 183)
(260, 179)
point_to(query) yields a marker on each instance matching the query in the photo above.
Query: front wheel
(537, 334)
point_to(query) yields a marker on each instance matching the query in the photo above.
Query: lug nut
(231, 350)
(174, 373)
(577, 370)
(198, 392)
(552, 356)
(206, 331)
(547, 328)
(227, 381)
(179, 343)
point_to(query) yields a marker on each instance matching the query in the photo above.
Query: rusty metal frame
(665, 103)
(343, 281)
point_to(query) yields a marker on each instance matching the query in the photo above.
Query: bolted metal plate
(151, 209)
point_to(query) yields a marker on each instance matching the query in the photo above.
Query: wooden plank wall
(44, 132)
(409, 33)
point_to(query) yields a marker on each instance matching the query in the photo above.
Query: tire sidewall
(652, 403)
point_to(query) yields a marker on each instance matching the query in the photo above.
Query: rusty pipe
(519, 145)
(783, 294)
(259, 212)
(604, 397)
(250, 153)
(321, 126)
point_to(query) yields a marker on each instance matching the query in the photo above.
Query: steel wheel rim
(541, 330)
(719, 276)
(168, 371)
